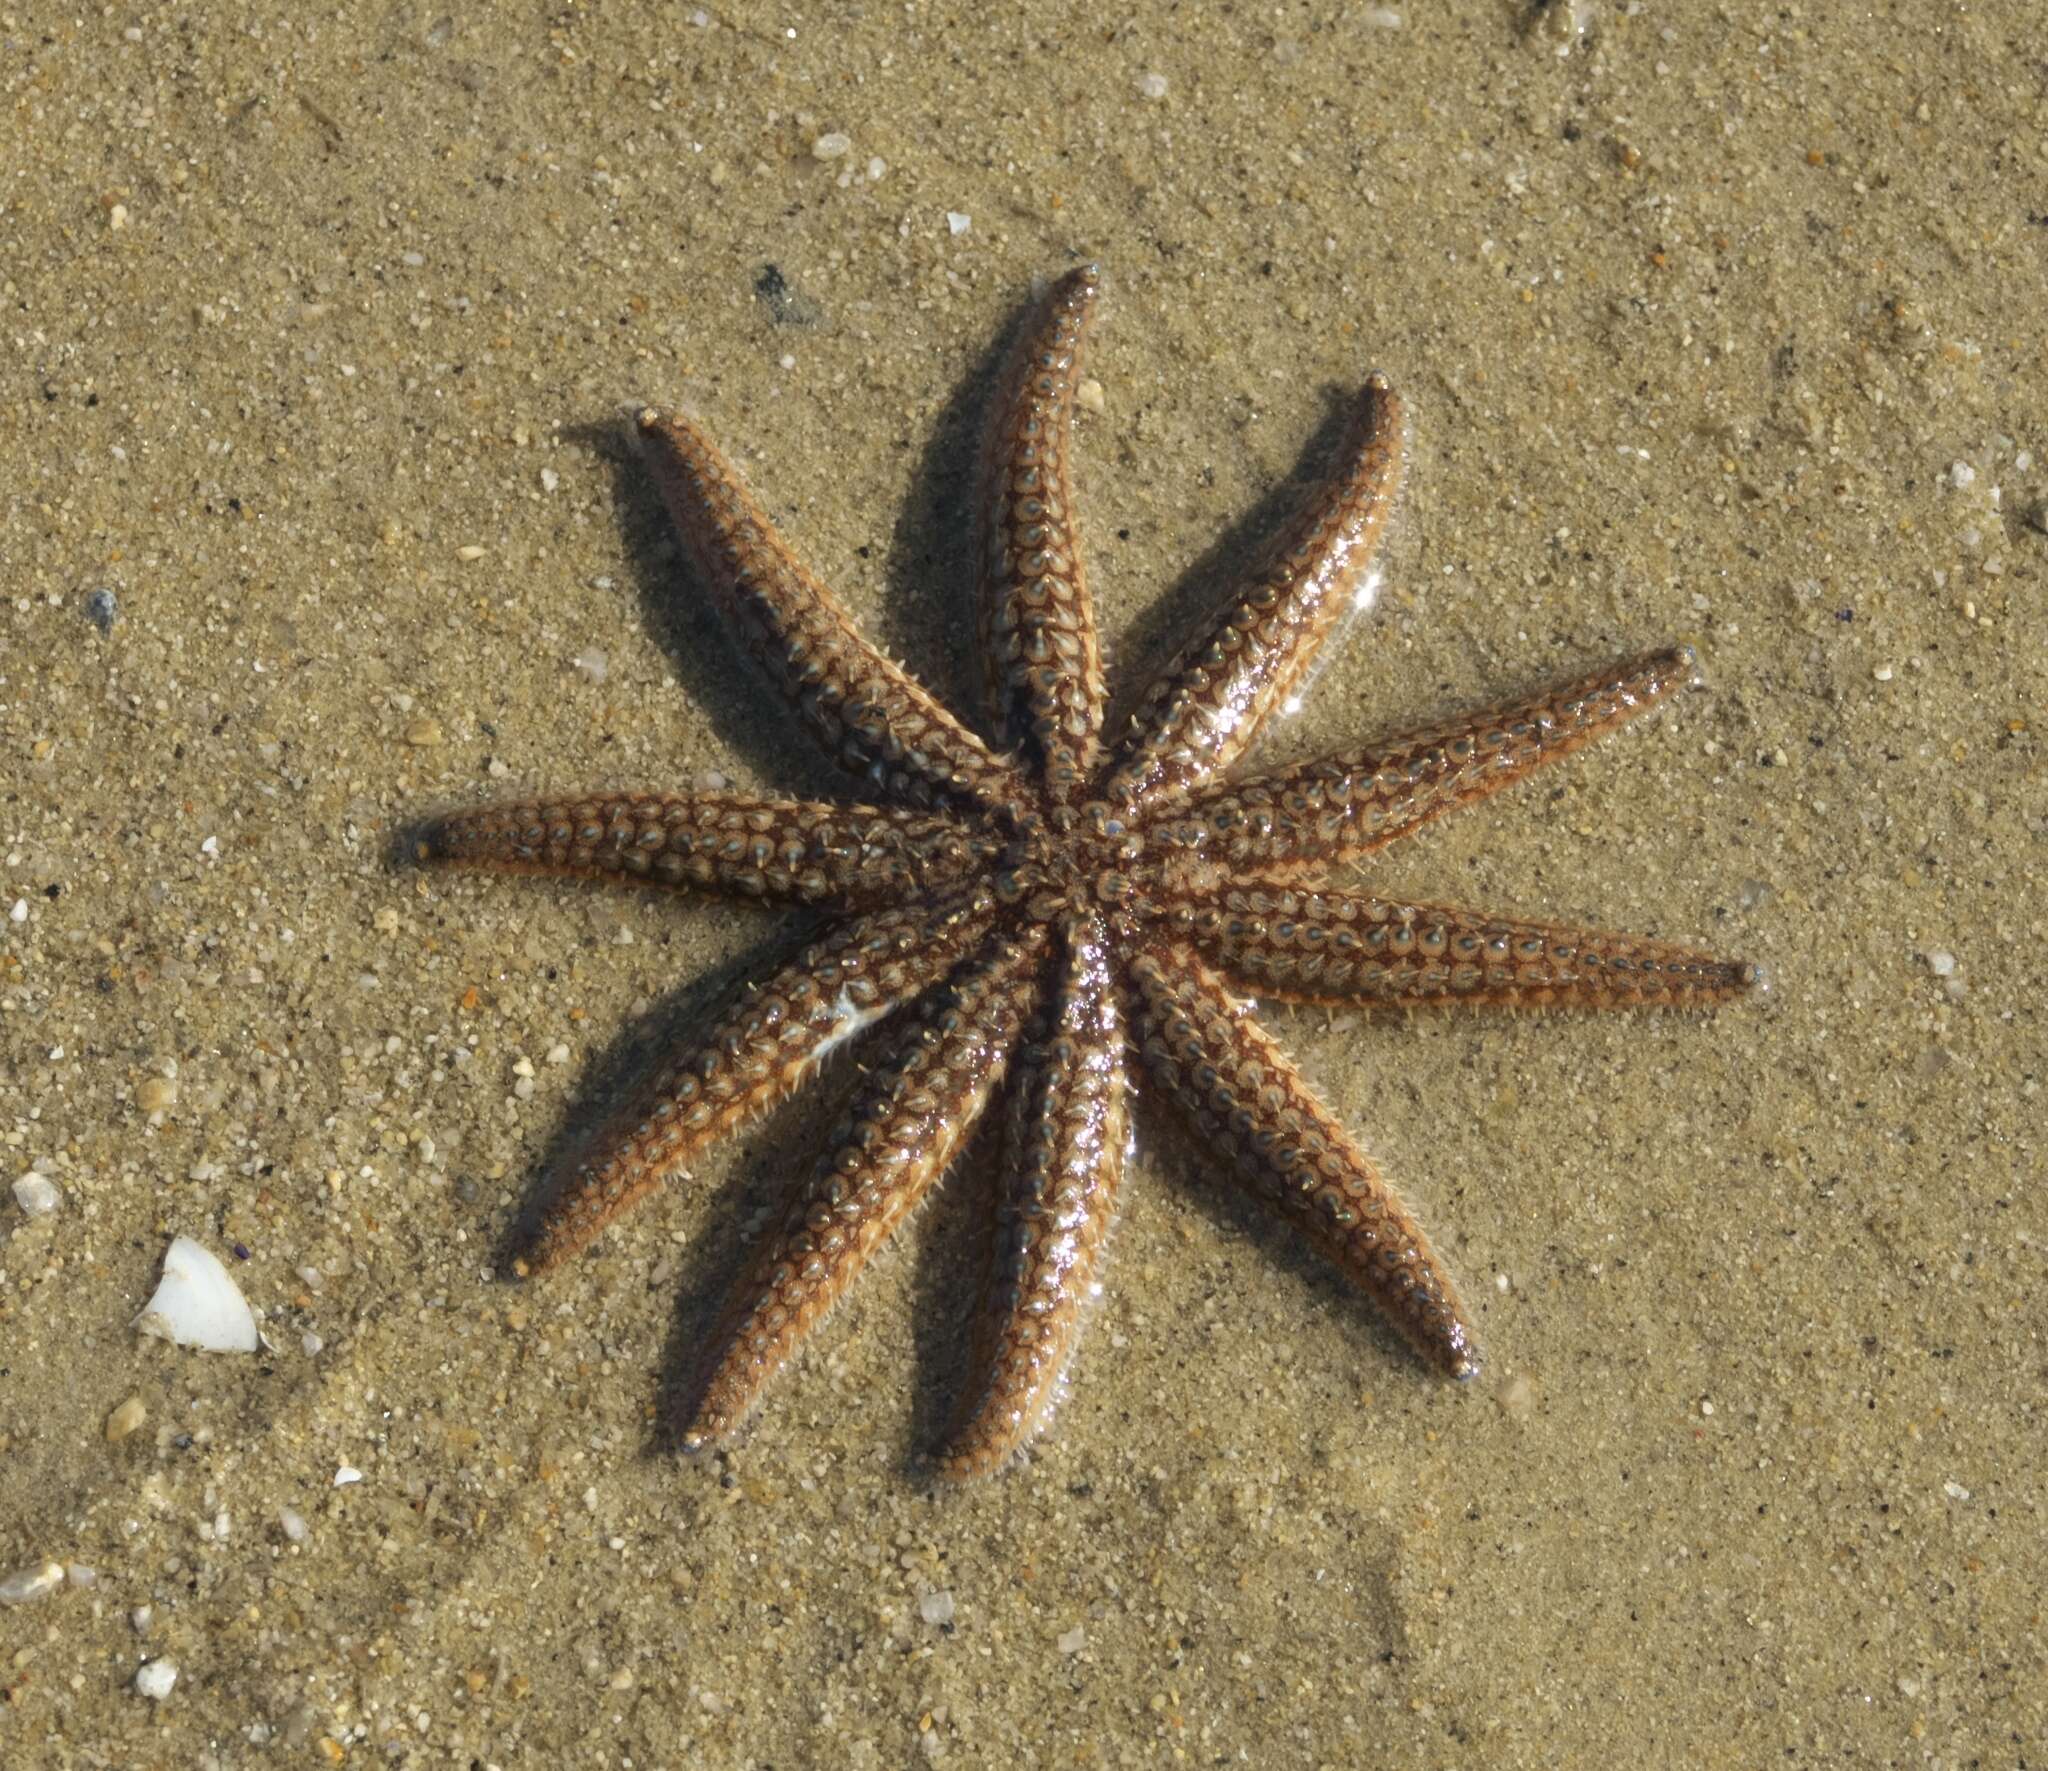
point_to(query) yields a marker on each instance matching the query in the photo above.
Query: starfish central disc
(1076, 862)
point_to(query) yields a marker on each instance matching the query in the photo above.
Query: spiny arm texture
(1050, 916)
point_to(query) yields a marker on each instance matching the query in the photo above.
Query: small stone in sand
(37, 1194)
(125, 1419)
(154, 1679)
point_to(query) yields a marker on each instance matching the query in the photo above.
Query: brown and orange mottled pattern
(1050, 916)
(844, 857)
(911, 1115)
(1204, 712)
(1063, 1162)
(1037, 621)
(1250, 1105)
(874, 717)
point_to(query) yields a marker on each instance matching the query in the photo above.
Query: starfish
(1061, 914)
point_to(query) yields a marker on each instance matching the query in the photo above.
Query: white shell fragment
(197, 1304)
(31, 1583)
(154, 1679)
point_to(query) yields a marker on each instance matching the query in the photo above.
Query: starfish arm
(910, 1117)
(760, 1050)
(846, 857)
(1064, 1156)
(874, 717)
(1337, 947)
(1249, 1103)
(1340, 809)
(1038, 622)
(1199, 717)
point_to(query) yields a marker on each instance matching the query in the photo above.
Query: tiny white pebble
(1152, 86)
(833, 146)
(1883, 673)
(471, 552)
(20, 911)
(141, 1618)
(936, 1609)
(154, 1679)
(1089, 396)
(558, 1053)
(593, 662)
(79, 1575)
(1706, 1407)
(293, 1525)
(1962, 474)
(1955, 1490)
(211, 846)
(786, 362)
(31, 1583)
(117, 217)
(876, 167)
(346, 1474)
(549, 479)
(311, 1344)
(522, 1065)
(1941, 964)
(957, 223)
(37, 1195)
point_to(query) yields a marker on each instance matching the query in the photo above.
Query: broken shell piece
(31, 1583)
(197, 1304)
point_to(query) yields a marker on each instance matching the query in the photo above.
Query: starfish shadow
(1177, 1153)
(709, 664)
(947, 1241)
(781, 1150)
(949, 1292)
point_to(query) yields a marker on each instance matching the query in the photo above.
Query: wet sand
(1723, 325)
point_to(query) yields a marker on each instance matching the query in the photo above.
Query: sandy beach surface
(1725, 324)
